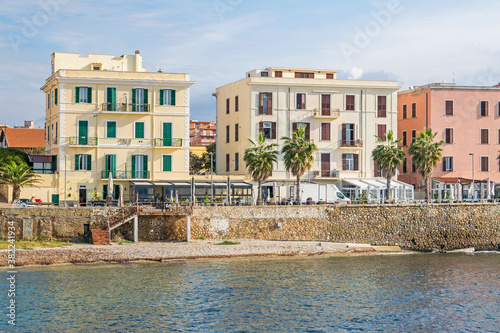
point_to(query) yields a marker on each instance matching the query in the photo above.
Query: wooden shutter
(236, 161)
(145, 162)
(104, 191)
(227, 162)
(381, 110)
(325, 131)
(236, 133)
(55, 96)
(484, 136)
(325, 105)
(356, 162)
(329, 76)
(449, 108)
(89, 162)
(451, 163)
(273, 130)
(261, 103)
(133, 166)
(303, 106)
(294, 127)
(89, 95)
(54, 163)
(236, 104)
(134, 99)
(404, 112)
(414, 110)
(77, 95)
(278, 74)
(261, 127)
(162, 96)
(172, 97)
(405, 142)
(308, 132)
(167, 162)
(77, 162)
(344, 133)
(227, 133)
(325, 165)
(444, 163)
(139, 130)
(270, 103)
(382, 132)
(227, 105)
(344, 161)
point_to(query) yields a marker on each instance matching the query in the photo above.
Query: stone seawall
(417, 227)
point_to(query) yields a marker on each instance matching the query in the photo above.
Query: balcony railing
(351, 143)
(124, 107)
(82, 141)
(171, 142)
(125, 174)
(326, 113)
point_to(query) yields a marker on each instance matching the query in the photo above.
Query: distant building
(202, 133)
(26, 139)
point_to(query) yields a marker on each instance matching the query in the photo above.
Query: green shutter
(77, 162)
(104, 191)
(55, 96)
(145, 96)
(145, 161)
(89, 95)
(139, 130)
(83, 127)
(77, 95)
(133, 99)
(167, 134)
(89, 162)
(111, 129)
(167, 162)
(54, 162)
(133, 166)
(162, 92)
(114, 163)
(172, 97)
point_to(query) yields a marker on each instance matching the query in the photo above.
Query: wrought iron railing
(125, 174)
(82, 140)
(124, 107)
(170, 142)
(351, 143)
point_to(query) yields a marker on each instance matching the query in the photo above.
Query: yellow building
(106, 115)
(340, 116)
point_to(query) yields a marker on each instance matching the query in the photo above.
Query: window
(140, 166)
(413, 135)
(167, 163)
(227, 105)
(325, 165)
(499, 136)
(325, 131)
(111, 129)
(110, 161)
(263, 74)
(83, 162)
(227, 162)
(329, 76)
(278, 74)
(268, 128)
(167, 97)
(484, 108)
(498, 109)
(485, 136)
(413, 168)
(139, 130)
(55, 96)
(485, 161)
(83, 95)
(110, 99)
(227, 134)
(301, 101)
(448, 135)
(140, 100)
(349, 102)
(302, 75)
(350, 162)
(306, 126)
(348, 135)
(236, 161)
(236, 133)
(449, 108)
(405, 115)
(405, 166)
(405, 142)
(236, 104)
(55, 141)
(381, 106)
(414, 110)
(48, 100)
(266, 103)
(381, 131)
(448, 163)
(325, 105)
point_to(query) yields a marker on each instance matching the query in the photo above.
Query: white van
(311, 193)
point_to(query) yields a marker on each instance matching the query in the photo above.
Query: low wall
(449, 226)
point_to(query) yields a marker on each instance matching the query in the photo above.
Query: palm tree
(17, 176)
(426, 155)
(259, 159)
(298, 155)
(389, 157)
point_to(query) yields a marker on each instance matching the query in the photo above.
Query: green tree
(298, 155)
(206, 158)
(18, 176)
(9, 155)
(196, 164)
(259, 159)
(389, 157)
(426, 155)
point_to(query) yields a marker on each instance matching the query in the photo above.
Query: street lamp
(471, 154)
(65, 183)
(211, 175)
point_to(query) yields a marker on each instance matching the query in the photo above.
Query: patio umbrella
(176, 196)
(228, 194)
(492, 192)
(459, 191)
(120, 198)
(369, 194)
(110, 185)
(488, 196)
(171, 198)
(452, 192)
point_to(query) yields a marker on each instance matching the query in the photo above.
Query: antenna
(453, 73)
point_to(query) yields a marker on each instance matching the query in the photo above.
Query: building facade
(106, 116)
(466, 119)
(202, 133)
(341, 117)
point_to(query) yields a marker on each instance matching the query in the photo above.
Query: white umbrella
(488, 196)
(171, 198)
(492, 191)
(452, 192)
(120, 198)
(176, 197)
(369, 194)
(110, 185)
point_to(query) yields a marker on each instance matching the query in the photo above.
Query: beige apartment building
(106, 115)
(341, 117)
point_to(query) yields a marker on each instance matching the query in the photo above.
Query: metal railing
(351, 143)
(170, 142)
(124, 107)
(82, 140)
(125, 174)
(326, 113)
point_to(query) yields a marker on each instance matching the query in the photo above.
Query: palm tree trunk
(428, 189)
(388, 192)
(16, 193)
(298, 189)
(259, 193)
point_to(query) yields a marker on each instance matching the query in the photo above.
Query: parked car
(23, 203)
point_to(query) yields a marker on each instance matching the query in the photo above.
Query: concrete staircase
(123, 216)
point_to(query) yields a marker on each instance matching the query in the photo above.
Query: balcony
(351, 143)
(125, 174)
(326, 174)
(124, 107)
(326, 113)
(82, 141)
(172, 142)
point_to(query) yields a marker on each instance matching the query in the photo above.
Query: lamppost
(65, 183)
(211, 176)
(472, 185)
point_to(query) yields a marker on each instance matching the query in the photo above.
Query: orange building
(467, 120)
(202, 133)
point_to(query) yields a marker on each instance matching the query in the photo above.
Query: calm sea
(391, 293)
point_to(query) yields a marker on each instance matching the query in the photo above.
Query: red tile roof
(25, 137)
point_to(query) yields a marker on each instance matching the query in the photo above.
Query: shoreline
(196, 249)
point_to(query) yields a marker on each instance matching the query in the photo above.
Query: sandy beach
(197, 249)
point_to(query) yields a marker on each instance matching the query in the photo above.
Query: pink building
(467, 119)
(202, 133)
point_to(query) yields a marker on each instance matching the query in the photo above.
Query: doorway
(82, 196)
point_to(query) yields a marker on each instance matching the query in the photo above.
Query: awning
(180, 184)
(40, 158)
(240, 184)
(373, 183)
(141, 183)
(162, 184)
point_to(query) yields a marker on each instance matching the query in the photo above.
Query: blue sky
(217, 41)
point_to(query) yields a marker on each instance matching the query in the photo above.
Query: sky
(218, 41)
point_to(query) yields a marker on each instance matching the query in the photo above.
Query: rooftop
(24, 137)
